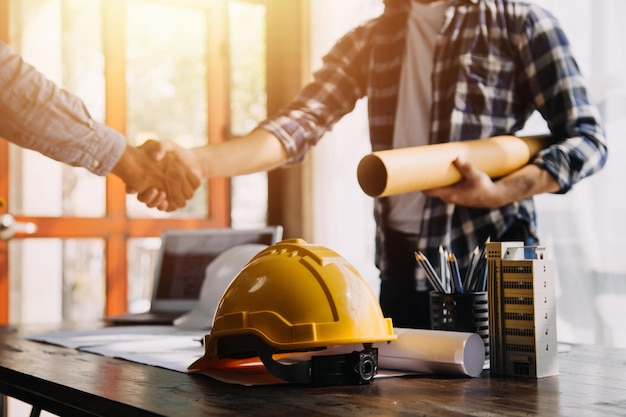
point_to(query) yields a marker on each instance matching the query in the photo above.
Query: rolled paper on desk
(397, 171)
(433, 352)
(428, 352)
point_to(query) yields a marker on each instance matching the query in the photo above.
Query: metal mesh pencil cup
(467, 312)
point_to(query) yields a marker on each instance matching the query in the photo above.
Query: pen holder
(462, 313)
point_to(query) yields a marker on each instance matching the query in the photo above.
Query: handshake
(162, 174)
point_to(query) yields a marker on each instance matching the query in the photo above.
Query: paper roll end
(474, 355)
(372, 175)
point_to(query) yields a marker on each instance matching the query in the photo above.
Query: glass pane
(65, 283)
(84, 284)
(248, 95)
(71, 32)
(166, 84)
(248, 104)
(249, 201)
(142, 258)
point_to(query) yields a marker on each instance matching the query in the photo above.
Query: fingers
(154, 198)
(157, 149)
(465, 168)
(181, 182)
(190, 185)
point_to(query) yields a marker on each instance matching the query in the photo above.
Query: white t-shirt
(412, 124)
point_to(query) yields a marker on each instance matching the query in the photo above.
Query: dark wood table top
(592, 382)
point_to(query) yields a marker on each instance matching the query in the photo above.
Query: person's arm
(553, 79)
(257, 151)
(36, 114)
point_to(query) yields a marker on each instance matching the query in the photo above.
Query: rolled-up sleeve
(333, 92)
(37, 114)
(559, 92)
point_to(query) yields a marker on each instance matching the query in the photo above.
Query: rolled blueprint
(433, 352)
(397, 171)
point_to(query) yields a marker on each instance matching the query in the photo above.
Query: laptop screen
(185, 254)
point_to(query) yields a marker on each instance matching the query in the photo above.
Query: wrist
(126, 167)
(203, 164)
(500, 196)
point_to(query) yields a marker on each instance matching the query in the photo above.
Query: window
(150, 69)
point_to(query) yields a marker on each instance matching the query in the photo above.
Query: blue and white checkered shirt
(496, 62)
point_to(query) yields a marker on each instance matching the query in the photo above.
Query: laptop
(180, 268)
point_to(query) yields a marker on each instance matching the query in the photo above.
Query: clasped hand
(160, 179)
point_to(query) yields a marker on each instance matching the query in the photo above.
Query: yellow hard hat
(295, 297)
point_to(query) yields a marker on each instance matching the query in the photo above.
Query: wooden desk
(592, 382)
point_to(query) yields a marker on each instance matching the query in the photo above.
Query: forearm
(38, 115)
(255, 152)
(524, 183)
(128, 168)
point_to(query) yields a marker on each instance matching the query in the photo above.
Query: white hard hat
(217, 277)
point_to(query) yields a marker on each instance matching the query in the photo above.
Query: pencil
(430, 272)
(467, 281)
(456, 275)
(443, 269)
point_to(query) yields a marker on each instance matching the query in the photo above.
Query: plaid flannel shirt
(496, 62)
